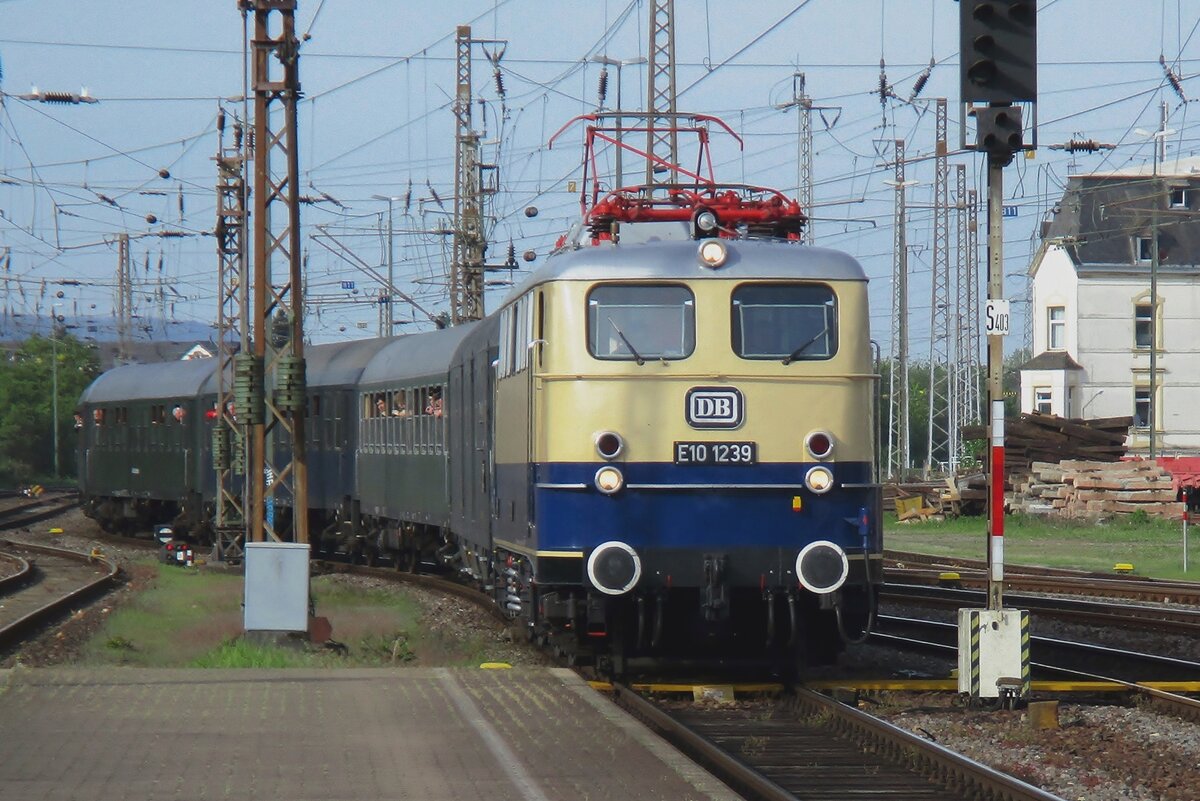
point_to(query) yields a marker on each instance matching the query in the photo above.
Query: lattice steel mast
(939, 448)
(898, 442)
(124, 299)
(661, 139)
(271, 381)
(962, 366)
(466, 271)
(233, 337)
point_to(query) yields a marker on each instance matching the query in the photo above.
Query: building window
(1141, 407)
(1179, 198)
(1057, 333)
(1143, 249)
(1142, 322)
(1041, 400)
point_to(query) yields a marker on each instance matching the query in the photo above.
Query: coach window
(792, 322)
(635, 322)
(366, 406)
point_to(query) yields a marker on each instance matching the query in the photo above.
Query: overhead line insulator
(1172, 78)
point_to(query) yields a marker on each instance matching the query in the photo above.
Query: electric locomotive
(682, 458)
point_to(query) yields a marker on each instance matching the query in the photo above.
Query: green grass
(1154, 547)
(193, 618)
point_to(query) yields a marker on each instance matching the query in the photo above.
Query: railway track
(47, 584)
(1053, 655)
(1160, 617)
(811, 747)
(29, 511)
(910, 568)
(1070, 659)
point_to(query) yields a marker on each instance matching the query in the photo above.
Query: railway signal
(998, 51)
(998, 54)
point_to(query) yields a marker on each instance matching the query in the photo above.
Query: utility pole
(898, 409)
(124, 300)
(233, 338)
(276, 421)
(387, 300)
(661, 140)
(940, 436)
(1160, 155)
(54, 384)
(618, 63)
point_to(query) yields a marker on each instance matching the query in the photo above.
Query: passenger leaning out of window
(435, 404)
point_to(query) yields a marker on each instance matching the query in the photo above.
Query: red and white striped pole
(997, 327)
(996, 524)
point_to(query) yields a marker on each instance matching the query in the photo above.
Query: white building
(1092, 305)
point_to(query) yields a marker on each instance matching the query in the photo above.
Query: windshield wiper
(637, 356)
(798, 351)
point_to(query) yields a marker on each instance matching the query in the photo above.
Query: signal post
(998, 55)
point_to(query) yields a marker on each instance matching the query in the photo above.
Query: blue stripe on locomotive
(717, 517)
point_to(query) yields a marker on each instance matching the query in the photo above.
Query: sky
(375, 122)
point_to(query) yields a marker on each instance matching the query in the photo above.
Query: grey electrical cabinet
(276, 594)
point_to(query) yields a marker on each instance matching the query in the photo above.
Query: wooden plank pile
(1035, 437)
(951, 497)
(1094, 490)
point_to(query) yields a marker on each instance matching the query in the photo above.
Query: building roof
(1101, 215)
(667, 260)
(1052, 360)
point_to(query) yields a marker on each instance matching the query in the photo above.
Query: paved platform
(293, 735)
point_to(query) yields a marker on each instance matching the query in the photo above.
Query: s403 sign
(997, 321)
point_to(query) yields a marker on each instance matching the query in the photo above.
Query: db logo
(714, 407)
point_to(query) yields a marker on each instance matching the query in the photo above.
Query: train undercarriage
(780, 630)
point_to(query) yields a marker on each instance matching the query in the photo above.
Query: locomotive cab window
(635, 322)
(793, 322)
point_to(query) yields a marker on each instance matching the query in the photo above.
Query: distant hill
(17, 327)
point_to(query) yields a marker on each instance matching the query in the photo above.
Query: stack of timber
(1049, 438)
(924, 500)
(1095, 490)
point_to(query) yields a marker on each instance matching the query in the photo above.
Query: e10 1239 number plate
(725, 453)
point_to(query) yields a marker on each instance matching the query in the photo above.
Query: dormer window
(1180, 198)
(1143, 249)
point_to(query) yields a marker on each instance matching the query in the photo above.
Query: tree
(26, 404)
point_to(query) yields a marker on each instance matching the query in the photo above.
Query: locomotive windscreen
(641, 322)
(784, 321)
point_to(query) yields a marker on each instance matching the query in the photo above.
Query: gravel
(1102, 751)
(1097, 753)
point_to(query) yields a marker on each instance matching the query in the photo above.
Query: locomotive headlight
(819, 444)
(712, 253)
(819, 479)
(609, 479)
(822, 567)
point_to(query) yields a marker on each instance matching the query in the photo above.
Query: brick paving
(294, 735)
